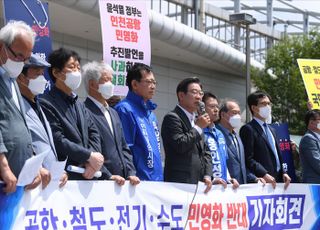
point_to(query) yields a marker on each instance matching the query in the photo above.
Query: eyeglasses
(16, 56)
(149, 82)
(195, 92)
(212, 106)
(265, 103)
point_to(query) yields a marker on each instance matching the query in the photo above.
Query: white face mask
(318, 126)
(13, 68)
(37, 85)
(269, 119)
(235, 121)
(73, 80)
(265, 111)
(106, 89)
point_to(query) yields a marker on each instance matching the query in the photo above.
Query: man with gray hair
(118, 165)
(16, 44)
(229, 120)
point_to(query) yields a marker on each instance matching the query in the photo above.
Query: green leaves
(287, 89)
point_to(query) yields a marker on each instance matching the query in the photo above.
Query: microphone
(201, 108)
(76, 169)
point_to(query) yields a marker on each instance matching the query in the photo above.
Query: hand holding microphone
(203, 119)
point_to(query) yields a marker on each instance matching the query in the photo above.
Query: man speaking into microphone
(187, 158)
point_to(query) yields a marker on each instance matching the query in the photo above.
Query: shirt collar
(137, 99)
(70, 98)
(317, 134)
(102, 107)
(260, 122)
(226, 130)
(191, 116)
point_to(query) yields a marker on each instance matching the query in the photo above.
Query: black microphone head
(201, 108)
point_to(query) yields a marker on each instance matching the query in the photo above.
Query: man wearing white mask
(118, 165)
(230, 120)
(31, 83)
(262, 152)
(74, 133)
(216, 143)
(16, 43)
(310, 148)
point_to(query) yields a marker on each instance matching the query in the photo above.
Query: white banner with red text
(156, 205)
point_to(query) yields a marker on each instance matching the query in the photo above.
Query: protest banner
(160, 205)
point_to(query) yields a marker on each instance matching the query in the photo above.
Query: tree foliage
(286, 88)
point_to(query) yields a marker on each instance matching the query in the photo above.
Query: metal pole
(270, 21)
(196, 14)
(237, 9)
(248, 80)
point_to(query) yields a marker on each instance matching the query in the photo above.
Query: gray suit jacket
(15, 137)
(42, 140)
(236, 164)
(117, 155)
(310, 158)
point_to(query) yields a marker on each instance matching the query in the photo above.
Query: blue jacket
(142, 134)
(216, 143)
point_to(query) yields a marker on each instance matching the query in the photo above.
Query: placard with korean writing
(125, 38)
(283, 139)
(310, 72)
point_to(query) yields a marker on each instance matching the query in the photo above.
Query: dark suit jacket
(310, 158)
(236, 164)
(258, 152)
(187, 158)
(117, 155)
(72, 139)
(15, 137)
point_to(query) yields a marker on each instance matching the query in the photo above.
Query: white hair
(13, 29)
(93, 71)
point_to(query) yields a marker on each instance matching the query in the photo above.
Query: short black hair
(183, 85)
(208, 95)
(311, 115)
(253, 98)
(134, 73)
(58, 59)
(224, 105)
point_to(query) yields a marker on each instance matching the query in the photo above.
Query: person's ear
(93, 84)
(56, 72)
(134, 84)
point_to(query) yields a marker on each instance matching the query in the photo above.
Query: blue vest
(140, 127)
(217, 145)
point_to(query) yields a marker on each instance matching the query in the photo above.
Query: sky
(308, 5)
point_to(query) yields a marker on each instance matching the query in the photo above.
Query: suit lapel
(5, 90)
(262, 133)
(34, 117)
(186, 122)
(102, 119)
(49, 132)
(113, 121)
(183, 117)
(229, 142)
(83, 123)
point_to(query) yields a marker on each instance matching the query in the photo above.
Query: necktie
(272, 144)
(235, 144)
(108, 118)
